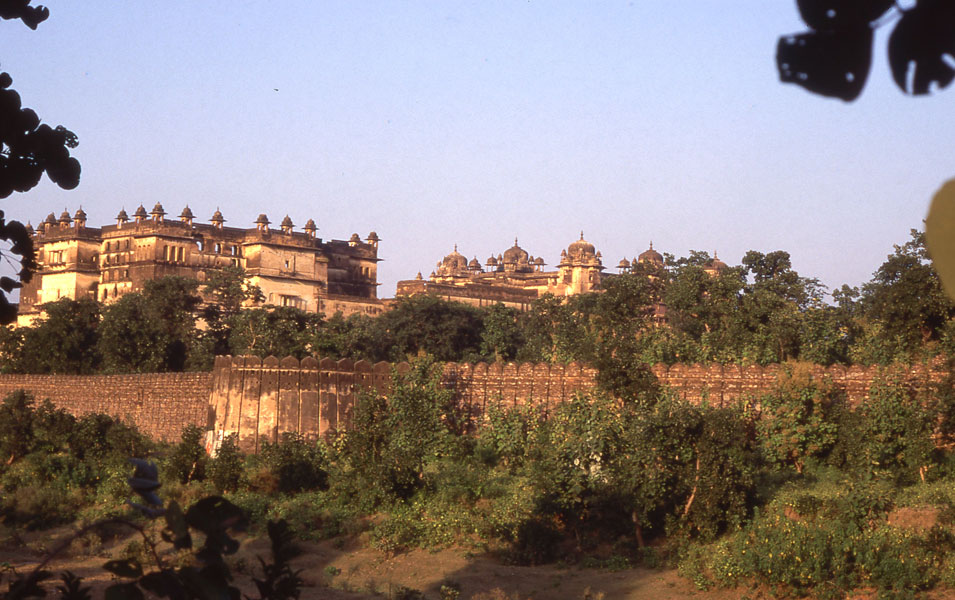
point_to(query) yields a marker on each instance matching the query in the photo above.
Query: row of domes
(186, 216)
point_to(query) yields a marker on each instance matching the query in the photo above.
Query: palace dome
(515, 254)
(454, 262)
(651, 256)
(580, 249)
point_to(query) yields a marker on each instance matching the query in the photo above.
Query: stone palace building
(292, 268)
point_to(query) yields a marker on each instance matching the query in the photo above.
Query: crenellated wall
(260, 399)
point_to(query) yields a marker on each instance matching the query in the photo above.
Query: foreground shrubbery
(793, 490)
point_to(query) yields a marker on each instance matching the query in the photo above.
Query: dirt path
(348, 571)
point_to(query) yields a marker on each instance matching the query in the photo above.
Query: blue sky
(472, 123)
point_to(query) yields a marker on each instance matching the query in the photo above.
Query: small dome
(141, 212)
(491, 262)
(453, 262)
(515, 254)
(373, 237)
(716, 264)
(581, 248)
(539, 262)
(310, 225)
(51, 219)
(29, 228)
(158, 210)
(122, 217)
(418, 276)
(80, 214)
(287, 222)
(187, 213)
(262, 220)
(217, 217)
(354, 238)
(651, 256)
(65, 217)
(474, 265)
(623, 264)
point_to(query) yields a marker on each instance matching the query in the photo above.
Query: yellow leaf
(940, 235)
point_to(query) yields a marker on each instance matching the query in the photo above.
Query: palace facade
(291, 268)
(516, 278)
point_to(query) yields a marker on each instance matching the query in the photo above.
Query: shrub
(188, 460)
(393, 438)
(796, 421)
(226, 469)
(896, 432)
(296, 464)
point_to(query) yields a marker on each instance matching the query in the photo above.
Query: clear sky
(472, 123)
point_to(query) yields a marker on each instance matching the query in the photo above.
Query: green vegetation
(792, 490)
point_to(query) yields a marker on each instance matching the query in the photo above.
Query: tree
(905, 296)
(502, 337)
(27, 150)
(227, 291)
(416, 325)
(833, 58)
(356, 337)
(153, 331)
(63, 341)
(277, 331)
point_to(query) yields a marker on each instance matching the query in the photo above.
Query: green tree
(906, 299)
(153, 331)
(419, 325)
(396, 436)
(226, 290)
(277, 331)
(356, 337)
(63, 341)
(502, 337)
(797, 420)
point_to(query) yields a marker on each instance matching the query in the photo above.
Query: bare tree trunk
(637, 529)
(696, 483)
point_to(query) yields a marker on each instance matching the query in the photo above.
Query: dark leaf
(73, 588)
(148, 511)
(214, 513)
(123, 591)
(128, 568)
(8, 285)
(922, 47)
(830, 15)
(828, 63)
(163, 584)
(145, 469)
(177, 529)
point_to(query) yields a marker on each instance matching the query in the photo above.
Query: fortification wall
(261, 399)
(160, 404)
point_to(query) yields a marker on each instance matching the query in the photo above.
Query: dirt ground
(346, 570)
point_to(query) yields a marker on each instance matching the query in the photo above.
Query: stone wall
(160, 404)
(260, 399)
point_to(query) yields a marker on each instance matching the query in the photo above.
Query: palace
(516, 278)
(291, 268)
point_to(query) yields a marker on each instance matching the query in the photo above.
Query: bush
(393, 438)
(296, 464)
(188, 460)
(796, 421)
(226, 469)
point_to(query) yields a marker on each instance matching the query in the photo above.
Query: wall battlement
(259, 399)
